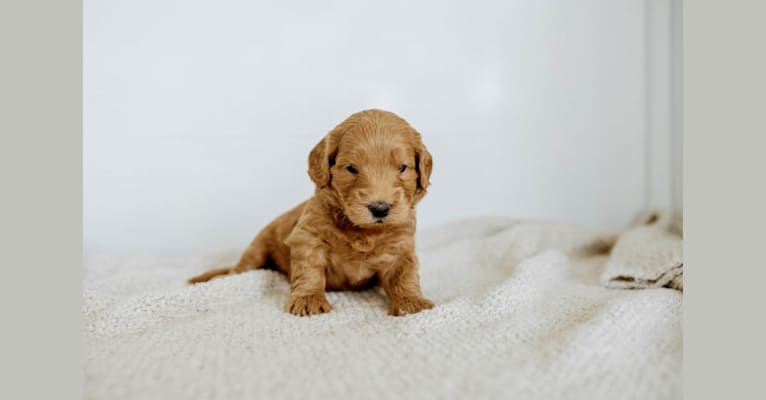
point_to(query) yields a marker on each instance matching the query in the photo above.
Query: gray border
(723, 103)
(41, 207)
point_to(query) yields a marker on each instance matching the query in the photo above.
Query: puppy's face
(375, 165)
(374, 176)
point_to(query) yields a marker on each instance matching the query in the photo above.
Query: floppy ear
(423, 165)
(319, 166)
(322, 157)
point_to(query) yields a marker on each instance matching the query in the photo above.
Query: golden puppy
(358, 228)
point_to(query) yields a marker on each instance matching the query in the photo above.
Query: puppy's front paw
(308, 305)
(409, 305)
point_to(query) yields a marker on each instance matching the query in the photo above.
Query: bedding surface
(520, 313)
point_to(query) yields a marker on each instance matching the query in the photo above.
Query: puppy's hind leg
(254, 257)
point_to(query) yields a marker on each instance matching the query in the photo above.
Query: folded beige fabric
(649, 254)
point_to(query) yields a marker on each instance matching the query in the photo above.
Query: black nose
(379, 209)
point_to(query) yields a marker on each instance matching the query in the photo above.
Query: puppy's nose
(379, 209)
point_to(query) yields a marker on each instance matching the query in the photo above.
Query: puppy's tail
(211, 274)
(255, 257)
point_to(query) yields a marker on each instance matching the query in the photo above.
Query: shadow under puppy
(358, 229)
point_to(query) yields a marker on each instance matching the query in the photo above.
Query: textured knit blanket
(520, 313)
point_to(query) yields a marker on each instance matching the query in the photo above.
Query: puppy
(357, 231)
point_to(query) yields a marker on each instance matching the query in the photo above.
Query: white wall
(199, 115)
(663, 104)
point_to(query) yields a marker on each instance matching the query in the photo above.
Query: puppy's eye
(402, 168)
(351, 169)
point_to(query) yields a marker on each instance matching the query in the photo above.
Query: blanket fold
(649, 254)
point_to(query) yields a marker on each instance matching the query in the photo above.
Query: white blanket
(519, 314)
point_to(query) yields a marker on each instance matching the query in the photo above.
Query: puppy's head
(375, 166)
